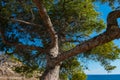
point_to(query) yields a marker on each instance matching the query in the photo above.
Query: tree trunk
(52, 69)
(51, 73)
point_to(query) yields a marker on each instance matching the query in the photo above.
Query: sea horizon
(103, 74)
(103, 77)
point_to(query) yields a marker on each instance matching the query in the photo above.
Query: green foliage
(75, 17)
(28, 71)
(71, 69)
(108, 51)
(78, 76)
(67, 46)
(109, 68)
(74, 20)
(104, 54)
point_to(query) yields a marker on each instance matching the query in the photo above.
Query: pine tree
(53, 36)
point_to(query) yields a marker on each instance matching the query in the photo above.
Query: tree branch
(21, 21)
(18, 45)
(46, 21)
(113, 33)
(73, 41)
(88, 45)
(25, 22)
(40, 49)
(112, 20)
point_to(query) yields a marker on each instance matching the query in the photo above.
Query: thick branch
(47, 21)
(113, 33)
(112, 20)
(88, 45)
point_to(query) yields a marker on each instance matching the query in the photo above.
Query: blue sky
(95, 67)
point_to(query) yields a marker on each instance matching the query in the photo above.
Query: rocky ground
(6, 69)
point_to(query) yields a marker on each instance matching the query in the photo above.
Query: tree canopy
(24, 34)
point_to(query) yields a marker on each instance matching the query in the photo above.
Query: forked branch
(46, 20)
(109, 35)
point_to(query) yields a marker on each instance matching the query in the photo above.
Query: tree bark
(53, 56)
(88, 45)
(51, 73)
(112, 32)
(52, 70)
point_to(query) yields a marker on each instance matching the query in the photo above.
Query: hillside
(6, 69)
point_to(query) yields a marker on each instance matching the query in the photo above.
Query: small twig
(25, 22)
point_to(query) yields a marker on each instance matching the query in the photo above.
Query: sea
(103, 77)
